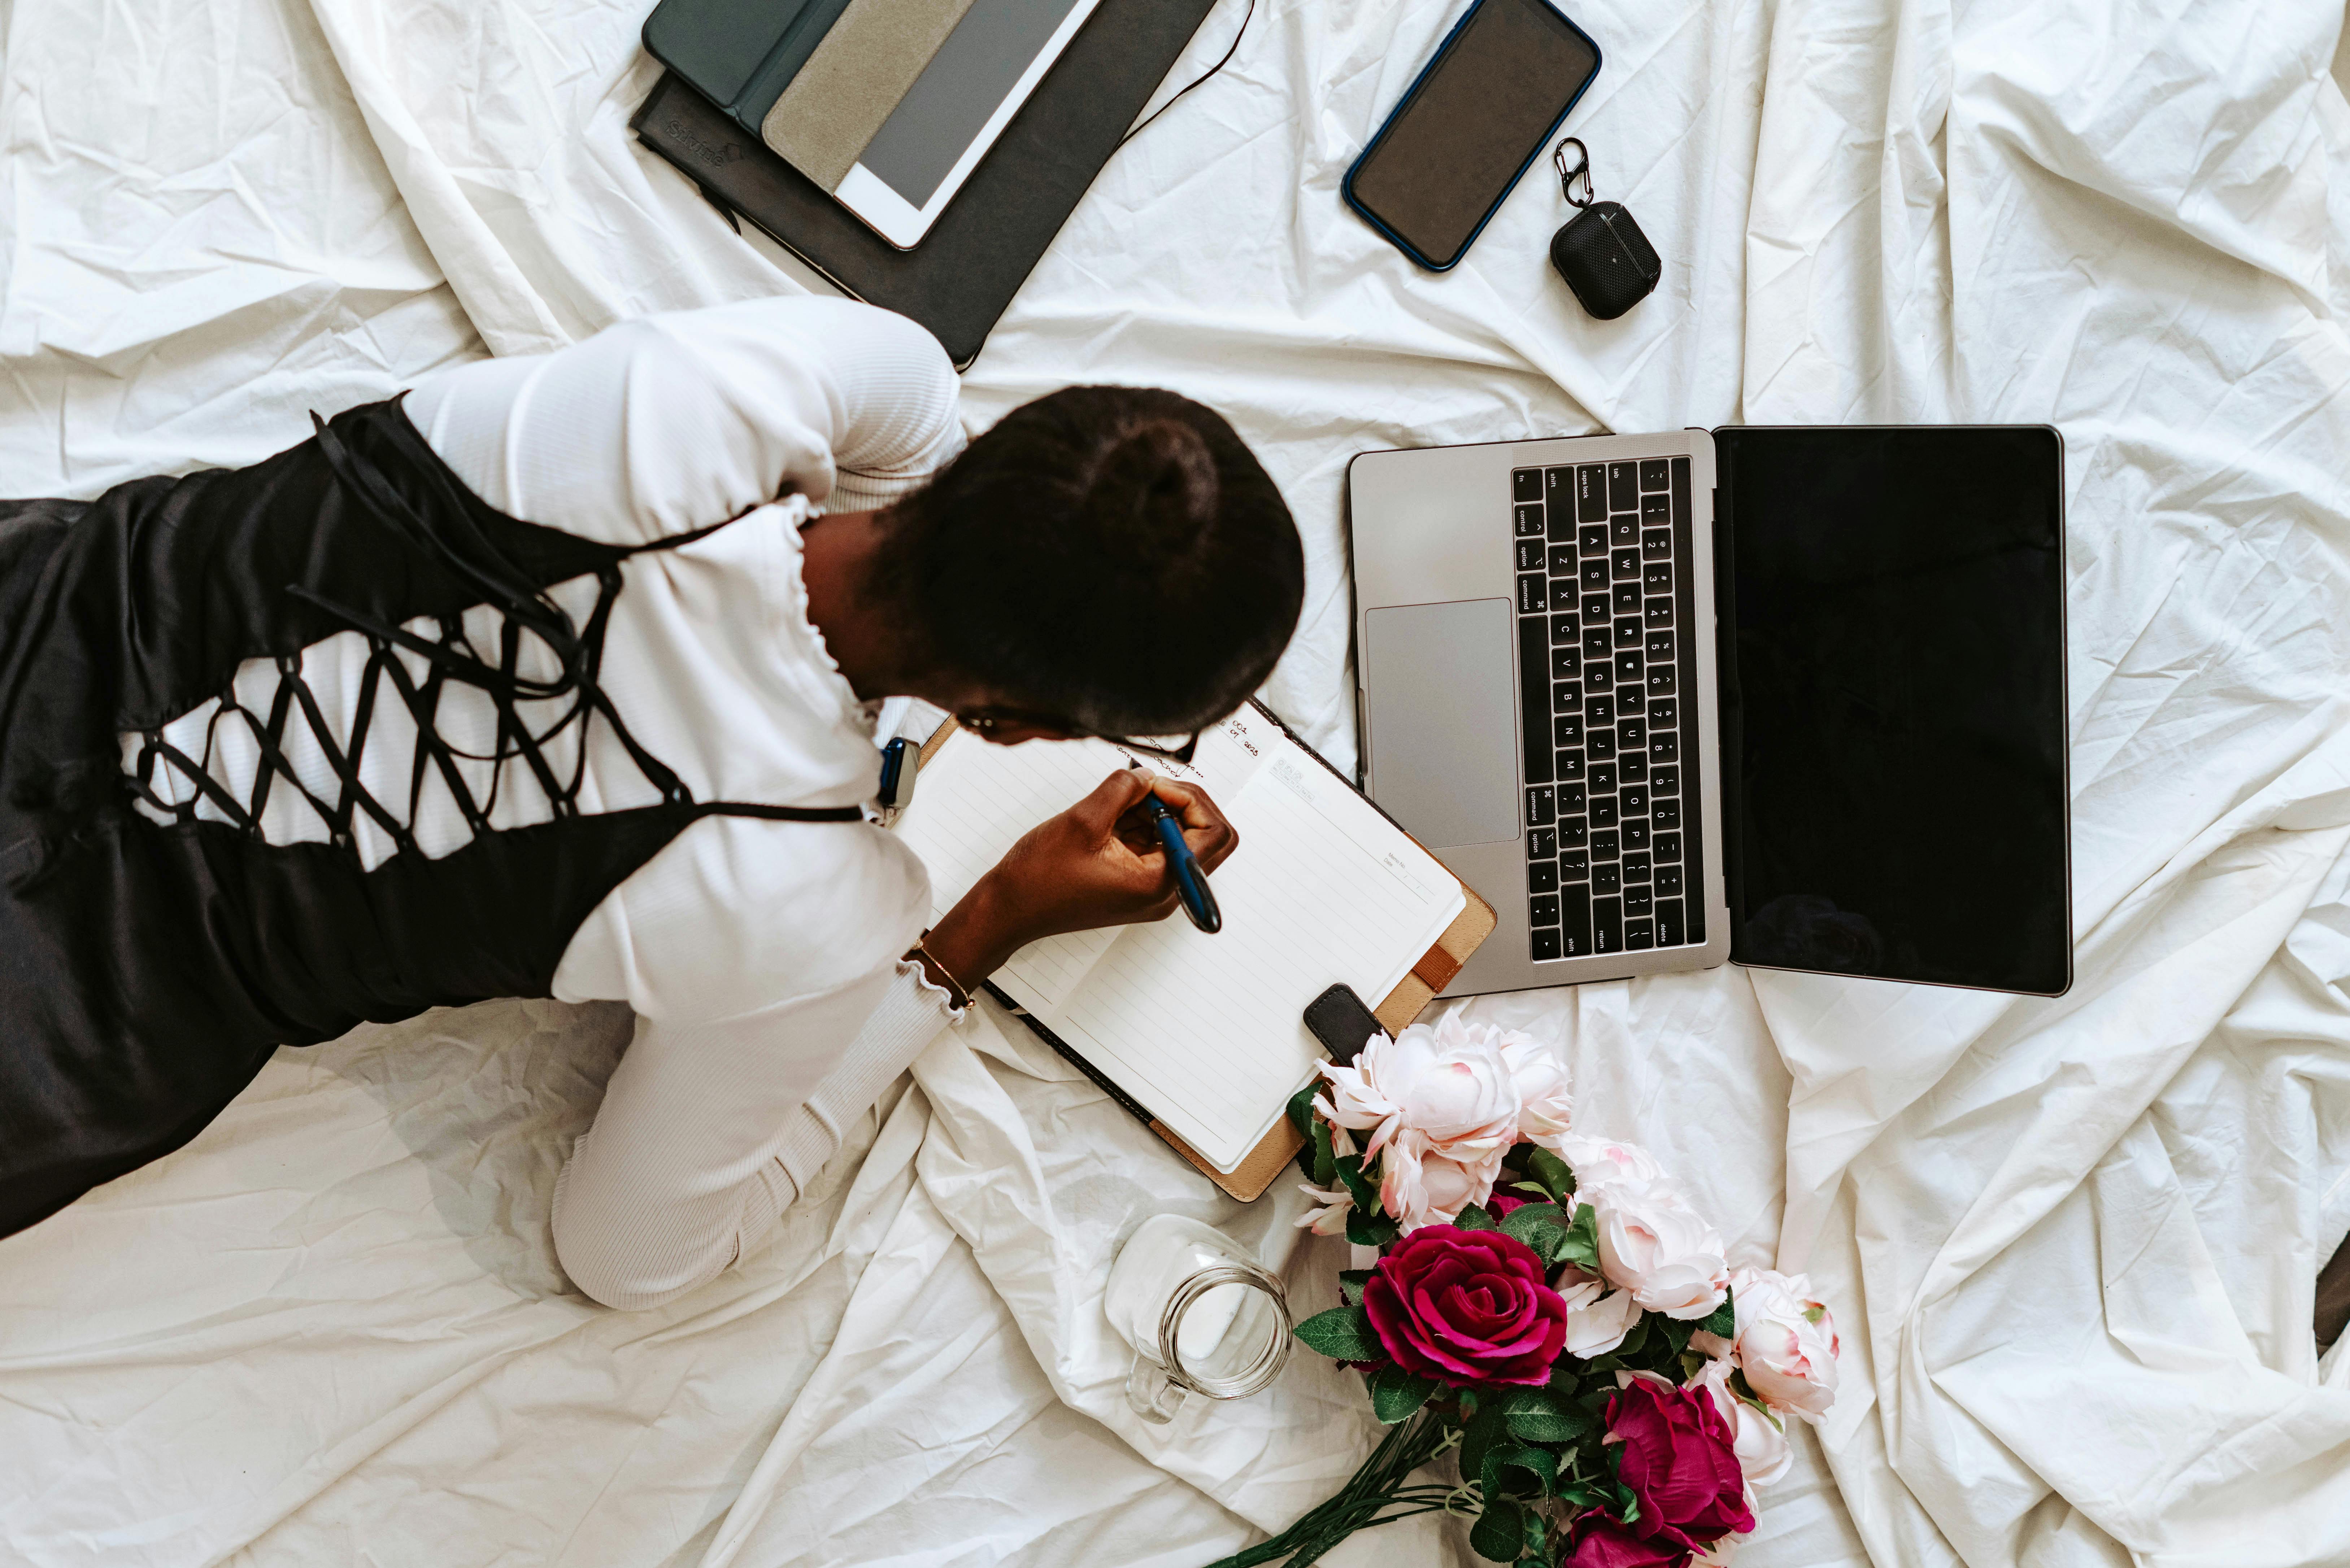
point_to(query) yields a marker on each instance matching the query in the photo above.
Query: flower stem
(1364, 1501)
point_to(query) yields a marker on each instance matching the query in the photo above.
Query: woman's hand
(1099, 863)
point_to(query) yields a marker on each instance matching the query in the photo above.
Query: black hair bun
(1155, 492)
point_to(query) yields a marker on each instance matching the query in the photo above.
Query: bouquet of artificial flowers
(1550, 1304)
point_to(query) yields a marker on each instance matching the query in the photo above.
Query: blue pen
(1191, 882)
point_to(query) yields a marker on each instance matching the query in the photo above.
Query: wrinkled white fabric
(2069, 1244)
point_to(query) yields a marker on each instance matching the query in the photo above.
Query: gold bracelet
(958, 992)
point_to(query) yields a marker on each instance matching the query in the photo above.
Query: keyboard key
(1567, 730)
(1594, 573)
(1529, 521)
(1658, 647)
(1558, 490)
(1664, 746)
(1525, 484)
(1602, 848)
(1664, 715)
(1623, 566)
(1541, 876)
(1623, 486)
(1601, 710)
(1657, 544)
(1603, 777)
(1657, 507)
(1542, 806)
(1631, 700)
(1575, 920)
(1566, 626)
(1665, 813)
(1633, 801)
(1565, 664)
(1570, 765)
(1670, 933)
(1542, 909)
(1606, 926)
(1636, 833)
(1669, 881)
(1639, 935)
(1624, 532)
(1632, 765)
(1628, 666)
(1530, 554)
(1600, 677)
(1561, 530)
(1542, 942)
(1570, 799)
(1653, 471)
(1574, 865)
(1534, 592)
(1542, 843)
(1625, 600)
(1574, 832)
(1636, 867)
(1666, 848)
(1608, 877)
(1595, 606)
(1659, 614)
(1562, 593)
(1601, 744)
(1637, 900)
(1534, 697)
(1681, 491)
(1596, 640)
(1629, 632)
(1632, 734)
(1591, 492)
(1603, 811)
(1561, 561)
(1656, 576)
(1667, 781)
(1592, 538)
(1660, 679)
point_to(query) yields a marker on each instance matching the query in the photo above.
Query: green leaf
(1343, 1334)
(1538, 1415)
(1500, 1532)
(1581, 1247)
(1300, 1109)
(1474, 1218)
(1364, 1192)
(1488, 1426)
(1350, 1286)
(1537, 1540)
(1368, 1228)
(1396, 1394)
(1722, 1321)
(1543, 1227)
(1326, 1166)
(1553, 1172)
(1505, 1463)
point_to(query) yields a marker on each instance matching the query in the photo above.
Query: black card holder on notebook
(1342, 1023)
(1601, 253)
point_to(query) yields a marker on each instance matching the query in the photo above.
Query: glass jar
(1202, 1316)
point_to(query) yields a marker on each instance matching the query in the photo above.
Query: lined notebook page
(1206, 1032)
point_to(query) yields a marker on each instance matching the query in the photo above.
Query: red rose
(1466, 1307)
(1501, 1204)
(1681, 1459)
(1598, 1541)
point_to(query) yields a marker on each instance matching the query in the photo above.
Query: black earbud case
(1605, 259)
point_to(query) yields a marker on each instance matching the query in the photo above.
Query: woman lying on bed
(557, 676)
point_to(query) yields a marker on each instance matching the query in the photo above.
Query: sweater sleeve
(701, 1145)
(677, 421)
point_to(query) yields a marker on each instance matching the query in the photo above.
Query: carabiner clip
(1567, 177)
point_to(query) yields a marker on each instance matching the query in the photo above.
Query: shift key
(1575, 920)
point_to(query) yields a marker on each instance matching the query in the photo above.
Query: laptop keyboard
(1607, 681)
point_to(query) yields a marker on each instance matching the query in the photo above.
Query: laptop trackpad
(1442, 696)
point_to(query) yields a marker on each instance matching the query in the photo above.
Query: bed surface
(2071, 1243)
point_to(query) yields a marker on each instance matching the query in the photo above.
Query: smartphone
(1487, 105)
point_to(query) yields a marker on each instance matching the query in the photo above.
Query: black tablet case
(958, 281)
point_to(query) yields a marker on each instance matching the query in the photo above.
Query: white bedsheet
(2071, 1242)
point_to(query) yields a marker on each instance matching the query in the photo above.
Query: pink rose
(1680, 1461)
(1764, 1451)
(1598, 1541)
(1465, 1307)
(1544, 1106)
(1597, 1318)
(1448, 1084)
(1786, 1343)
(1658, 1247)
(1422, 1189)
(1600, 1163)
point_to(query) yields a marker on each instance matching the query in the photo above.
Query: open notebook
(1202, 1035)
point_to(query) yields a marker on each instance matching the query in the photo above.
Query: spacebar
(1533, 694)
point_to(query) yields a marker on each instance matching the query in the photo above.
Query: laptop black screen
(1893, 702)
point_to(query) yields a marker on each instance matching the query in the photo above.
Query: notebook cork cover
(1201, 1038)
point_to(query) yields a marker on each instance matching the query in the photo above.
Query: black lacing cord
(1195, 81)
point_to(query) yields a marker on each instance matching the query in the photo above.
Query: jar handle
(1154, 1396)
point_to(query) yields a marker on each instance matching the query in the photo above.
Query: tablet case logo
(716, 156)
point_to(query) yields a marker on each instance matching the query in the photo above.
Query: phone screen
(1497, 89)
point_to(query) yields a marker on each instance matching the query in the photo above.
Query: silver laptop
(1791, 697)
